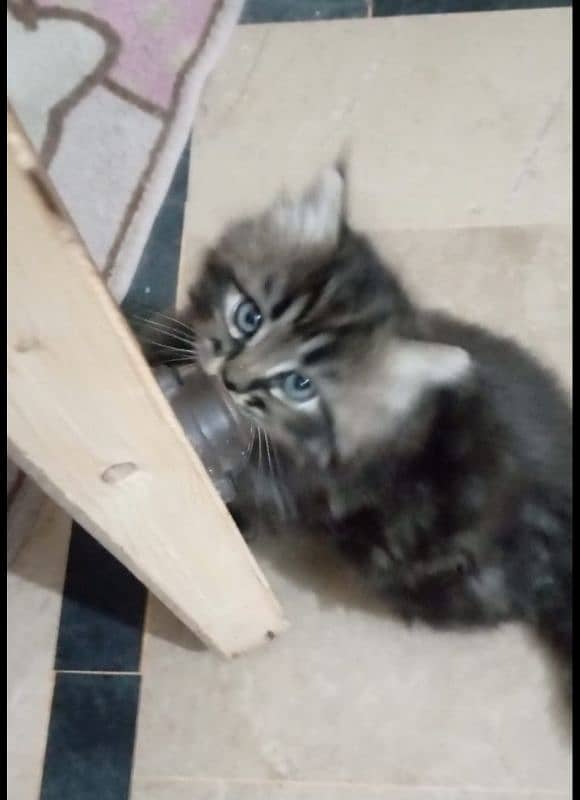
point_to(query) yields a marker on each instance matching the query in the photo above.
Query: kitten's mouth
(250, 407)
(245, 404)
(209, 363)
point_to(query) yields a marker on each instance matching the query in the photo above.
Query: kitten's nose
(234, 378)
(230, 385)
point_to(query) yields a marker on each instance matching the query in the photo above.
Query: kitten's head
(306, 327)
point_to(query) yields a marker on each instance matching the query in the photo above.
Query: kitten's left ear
(316, 218)
(380, 403)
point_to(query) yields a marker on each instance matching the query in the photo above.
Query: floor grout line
(95, 672)
(353, 785)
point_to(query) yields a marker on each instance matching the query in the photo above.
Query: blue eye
(298, 387)
(247, 318)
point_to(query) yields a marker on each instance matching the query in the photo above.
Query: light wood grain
(87, 420)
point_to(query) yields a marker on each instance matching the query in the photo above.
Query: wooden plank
(87, 420)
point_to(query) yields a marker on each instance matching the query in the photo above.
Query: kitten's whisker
(259, 449)
(274, 477)
(178, 360)
(276, 459)
(267, 443)
(252, 442)
(162, 346)
(170, 339)
(162, 325)
(277, 463)
(280, 485)
(176, 321)
(254, 438)
(175, 334)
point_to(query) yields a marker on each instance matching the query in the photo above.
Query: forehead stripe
(319, 353)
(281, 307)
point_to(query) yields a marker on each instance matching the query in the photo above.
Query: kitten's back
(526, 398)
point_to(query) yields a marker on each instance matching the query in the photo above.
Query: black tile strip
(91, 737)
(301, 10)
(103, 608)
(155, 282)
(393, 8)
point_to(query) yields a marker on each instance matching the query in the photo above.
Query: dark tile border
(302, 10)
(393, 8)
(103, 609)
(155, 282)
(91, 736)
(262, 11)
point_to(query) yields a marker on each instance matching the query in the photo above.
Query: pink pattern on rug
(157, 37)
(93, 111)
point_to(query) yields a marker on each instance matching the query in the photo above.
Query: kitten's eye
(247, 318)
(298, 387)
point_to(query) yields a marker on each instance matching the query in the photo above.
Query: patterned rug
(107, 91)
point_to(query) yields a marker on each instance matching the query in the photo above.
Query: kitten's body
(436, 455)
(465, 517)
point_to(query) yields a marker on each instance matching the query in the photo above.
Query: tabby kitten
(435, 454)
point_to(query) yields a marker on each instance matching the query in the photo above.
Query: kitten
(435, 454)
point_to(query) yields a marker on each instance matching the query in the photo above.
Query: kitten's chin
(248, 413)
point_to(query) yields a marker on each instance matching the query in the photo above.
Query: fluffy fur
(435, 454)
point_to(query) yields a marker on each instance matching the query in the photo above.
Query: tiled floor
(35, 584)
(459, 134)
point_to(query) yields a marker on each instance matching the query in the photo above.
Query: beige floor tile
(350, 695)
(35, 583)
(452, 121)
(224, 790)
(515, 280)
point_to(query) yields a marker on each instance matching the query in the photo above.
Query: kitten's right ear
(317, 217)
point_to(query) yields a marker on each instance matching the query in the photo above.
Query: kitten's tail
(554, 625)
(550, 527)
